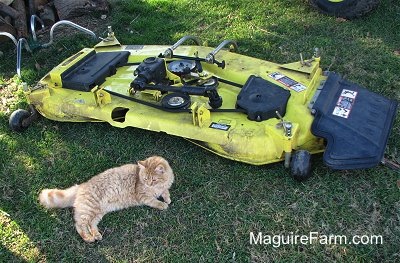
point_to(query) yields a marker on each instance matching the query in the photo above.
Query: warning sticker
(345, 103)
(288, 82)
(220, 126)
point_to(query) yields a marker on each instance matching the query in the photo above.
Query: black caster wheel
(348, 9)
(21, 119)
(300, 165)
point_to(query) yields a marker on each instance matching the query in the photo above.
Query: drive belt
(159, 107)
(156, 106)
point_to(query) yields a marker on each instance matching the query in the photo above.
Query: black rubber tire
(16, 119)
(348, 9)
(300, 165)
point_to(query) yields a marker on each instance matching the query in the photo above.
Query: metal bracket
(285, 125)
(101, 96)
(200, 114)
(34, 115)
(307, 63)
(110, 35)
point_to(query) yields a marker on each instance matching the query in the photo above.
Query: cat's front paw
(88, 238)
(167, 200)
(98, 236)
(162, 206)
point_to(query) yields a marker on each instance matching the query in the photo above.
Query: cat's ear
(142, 164)
(159, 169)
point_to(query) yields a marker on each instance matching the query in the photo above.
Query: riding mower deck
(238, 107)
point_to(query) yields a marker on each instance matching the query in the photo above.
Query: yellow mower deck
(228, 134)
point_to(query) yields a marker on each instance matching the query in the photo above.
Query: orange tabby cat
(111, 190)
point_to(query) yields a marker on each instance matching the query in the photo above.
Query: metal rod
(67, 23)
(288, 156)
(33, 23)
(185, 38)
(223, 44)
(19, 53)
(169, 52)
(210, 58)
(9, 36)
(18, 44)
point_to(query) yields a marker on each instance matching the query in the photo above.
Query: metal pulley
(182, 67)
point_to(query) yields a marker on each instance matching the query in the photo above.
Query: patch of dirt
(8, 97)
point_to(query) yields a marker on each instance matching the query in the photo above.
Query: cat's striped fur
(113, 189)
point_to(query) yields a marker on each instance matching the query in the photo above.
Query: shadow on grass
(8, 256)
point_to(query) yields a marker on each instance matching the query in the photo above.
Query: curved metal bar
(9, 36)
(169, 52)
(211, 56)
(68, 23)
(26, 45)
(185, 38)
(19, 53)
(33, 30)
(19, 44)
(223, 44)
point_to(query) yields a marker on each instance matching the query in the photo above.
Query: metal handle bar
(9, 36)
(68, 23)
(33, 30)
(19, 44)
(169, 52)
(23, 41)
(19, 53)
(210, 58)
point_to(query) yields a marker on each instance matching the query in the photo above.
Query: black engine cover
(261, 99)
(93, 69)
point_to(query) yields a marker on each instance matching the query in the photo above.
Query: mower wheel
(16, 120)
(300, 165)
(348, 9)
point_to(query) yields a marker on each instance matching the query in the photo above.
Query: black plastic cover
(93, 69)
(355, 122)
(261, 99)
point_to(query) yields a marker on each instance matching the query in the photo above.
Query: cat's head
(154, 171)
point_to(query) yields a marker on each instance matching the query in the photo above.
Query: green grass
(216, 202)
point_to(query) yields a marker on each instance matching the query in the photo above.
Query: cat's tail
(57, 198)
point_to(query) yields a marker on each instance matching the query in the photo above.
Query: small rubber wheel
(300, 165)
(348, 9)
(16, 119)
